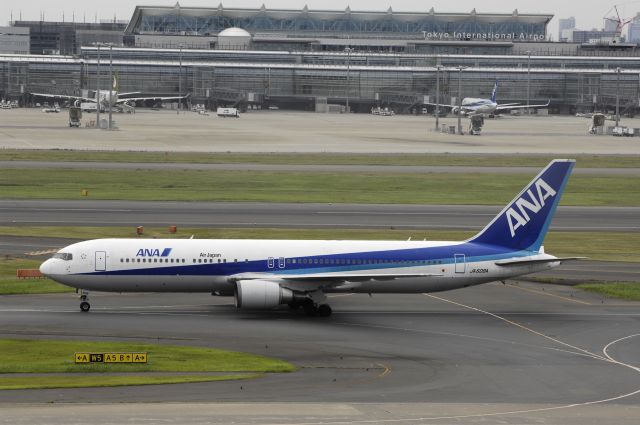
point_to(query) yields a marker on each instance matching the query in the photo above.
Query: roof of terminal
(330, 15)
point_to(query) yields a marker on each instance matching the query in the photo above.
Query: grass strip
(300, 187)
(27, 382)
(624, 290)
(584, 161)
(57, 356)
(11, 285)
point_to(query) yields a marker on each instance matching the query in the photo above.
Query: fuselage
(192, 265)
(478, 105)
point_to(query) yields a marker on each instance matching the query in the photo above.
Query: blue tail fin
(523, 223)
(494, 93)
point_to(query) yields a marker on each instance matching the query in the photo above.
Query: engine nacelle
(261, 294)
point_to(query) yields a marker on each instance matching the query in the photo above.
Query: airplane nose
(46, 267)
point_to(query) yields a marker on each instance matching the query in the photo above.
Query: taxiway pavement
(315, 168)
(516, 353)
(256, 214)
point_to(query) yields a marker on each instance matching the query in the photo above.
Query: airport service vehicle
(228, 112)
(473, 105)
(75, 115)
(265, 274)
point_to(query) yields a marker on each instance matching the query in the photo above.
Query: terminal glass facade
(402, 82)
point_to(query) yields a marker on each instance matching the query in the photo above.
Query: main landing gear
(315, 305)
(84, 301)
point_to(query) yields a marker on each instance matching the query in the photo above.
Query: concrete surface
(284, 131)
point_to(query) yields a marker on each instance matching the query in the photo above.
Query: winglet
(523, 223)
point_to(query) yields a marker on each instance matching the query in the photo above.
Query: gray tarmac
(287, 131)
(316, 168)
(519, 353)
(256, 214)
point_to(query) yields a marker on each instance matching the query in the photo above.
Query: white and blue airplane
(474, 105)
(265, 274)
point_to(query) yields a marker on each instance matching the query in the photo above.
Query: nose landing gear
(84, 301)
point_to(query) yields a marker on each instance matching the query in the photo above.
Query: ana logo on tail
(494, 92)
(535, 203)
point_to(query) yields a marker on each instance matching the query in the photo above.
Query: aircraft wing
(303, 282)
(135, 99)
(509, 106)
(441, 105)
(523, 261)
(329, 277)
(62, 96)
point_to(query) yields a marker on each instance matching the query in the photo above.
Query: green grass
(209, 185)
(56, 356)
(624, 290)
(66, 381)
(584, 161)
(10, 284)
(179, 363)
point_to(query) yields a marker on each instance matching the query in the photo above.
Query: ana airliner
(113, 96)
(265, 274)
(474, 105)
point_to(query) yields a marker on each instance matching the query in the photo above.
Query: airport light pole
(437, 94)
(460, 68)
(180, 82)
(618, 96)
(98, 91)
(112, 86)
(348, 50)
(528, 80)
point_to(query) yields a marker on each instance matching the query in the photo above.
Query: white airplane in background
(264, 274)
(116, 98)
(474, 105)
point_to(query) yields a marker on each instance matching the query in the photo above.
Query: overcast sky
(588, 13)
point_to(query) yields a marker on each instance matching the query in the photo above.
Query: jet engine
(261, 294)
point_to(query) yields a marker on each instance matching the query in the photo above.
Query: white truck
(228, 112)
(88, 106)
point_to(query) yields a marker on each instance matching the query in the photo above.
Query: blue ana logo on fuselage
(517, 214)
(144, 252)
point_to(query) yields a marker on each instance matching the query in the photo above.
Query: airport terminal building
(302, 58)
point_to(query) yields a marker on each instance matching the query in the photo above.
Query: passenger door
(460, 263)
(101, 261)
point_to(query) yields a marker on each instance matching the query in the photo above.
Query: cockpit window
(63, 256)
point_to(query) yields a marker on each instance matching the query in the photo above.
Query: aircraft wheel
(309, 308)
(85, 306)
(324, 310)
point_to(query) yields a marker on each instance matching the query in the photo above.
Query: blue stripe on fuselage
(401, 258)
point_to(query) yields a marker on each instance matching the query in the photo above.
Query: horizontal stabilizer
(520, 262)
